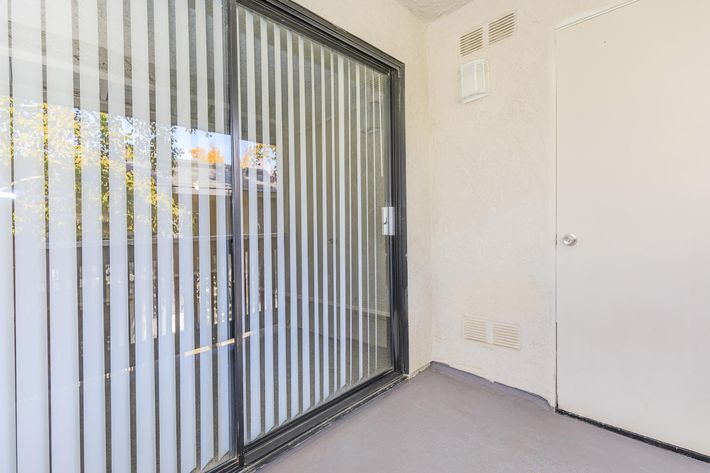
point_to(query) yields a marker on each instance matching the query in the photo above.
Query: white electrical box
(474, 80)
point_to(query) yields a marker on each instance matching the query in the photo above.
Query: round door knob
(570, 239)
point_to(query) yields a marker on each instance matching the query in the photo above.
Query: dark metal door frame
(295, 16)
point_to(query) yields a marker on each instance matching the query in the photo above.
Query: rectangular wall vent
(476, 330)
(502, 28)
(471, 42)
(506, 335)
(500, 334)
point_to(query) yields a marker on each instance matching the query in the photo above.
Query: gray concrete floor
(446, 421)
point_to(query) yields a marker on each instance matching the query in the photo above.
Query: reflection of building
(215, 186)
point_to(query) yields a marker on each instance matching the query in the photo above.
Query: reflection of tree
(258, 163)
(59, 137)
(260, 156)
(213, 156)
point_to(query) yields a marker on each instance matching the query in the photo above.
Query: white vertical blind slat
(32, 413)
(293, 286)
(7, 290)
(240, 278)
(333, 205)
(222, 241)
(372, 155)
(368, 212)
(341, 202)
(315, 158)
(324, 229)
(358, 104)
(143, 238)
(349, 223)
(94, 426)
(377, 136)
(204, 242)
(254, 308)
(167, 306)
(280, 230)
(188, 428)
(303, 209)
(63, 321)
(188, 433)
(268, 308)
(218, 32)
(119, 333)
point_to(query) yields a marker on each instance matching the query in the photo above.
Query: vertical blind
(115, 229)
(116, 199)
(314, 158)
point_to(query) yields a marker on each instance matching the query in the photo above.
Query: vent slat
(506, 335)
(501, 28)
(471, 42)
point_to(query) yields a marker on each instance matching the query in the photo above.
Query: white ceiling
(431, 9)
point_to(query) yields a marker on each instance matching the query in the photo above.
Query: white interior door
(634, 188)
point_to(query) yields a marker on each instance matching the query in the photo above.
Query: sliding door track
(291, 435)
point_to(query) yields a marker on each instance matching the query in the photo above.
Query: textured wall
(493, 191)
(391, 27)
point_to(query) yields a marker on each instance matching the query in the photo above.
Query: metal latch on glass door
(388, 221)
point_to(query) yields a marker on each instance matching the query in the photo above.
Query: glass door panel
(115, 230)
(314, 159)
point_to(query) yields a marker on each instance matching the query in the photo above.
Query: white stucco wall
(493, 191)
(389, 26)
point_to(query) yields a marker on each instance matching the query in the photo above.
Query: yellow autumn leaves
(53, 137)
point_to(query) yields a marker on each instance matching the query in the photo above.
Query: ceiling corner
(429, 10)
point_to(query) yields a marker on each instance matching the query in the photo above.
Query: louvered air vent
(471, 41)
(501, 334)
(475, 329)
(501, 28)
(506, 335)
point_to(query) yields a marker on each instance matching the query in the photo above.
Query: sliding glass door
(192, 251)
(314, 161)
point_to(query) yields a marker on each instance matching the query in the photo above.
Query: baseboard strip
(641, 438)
